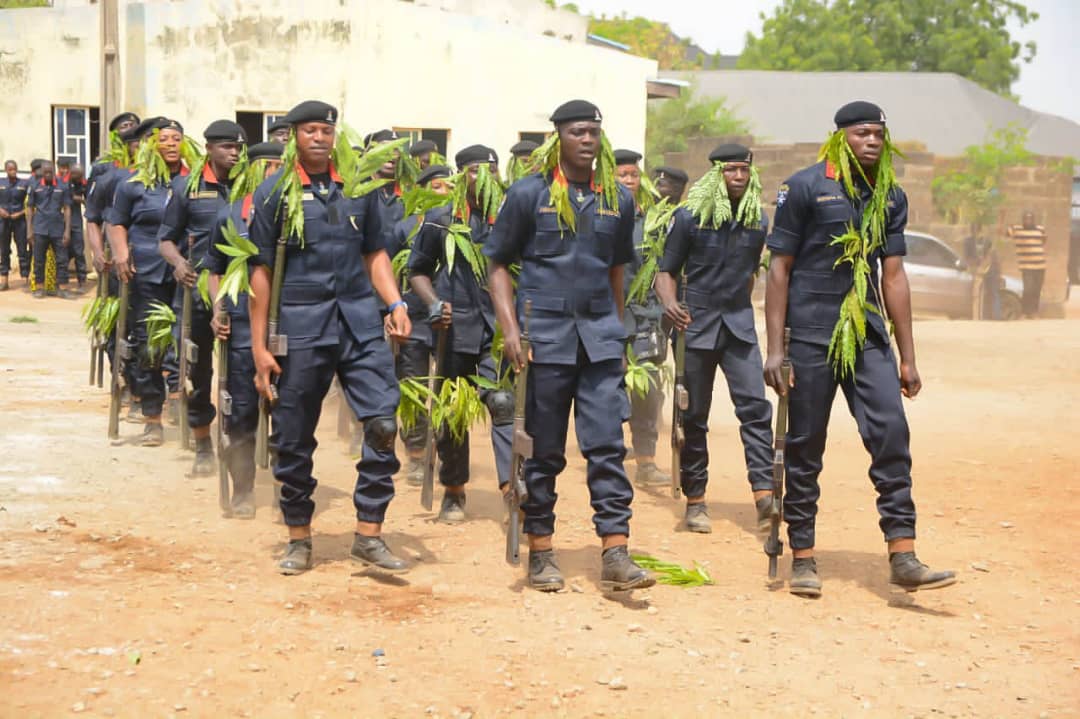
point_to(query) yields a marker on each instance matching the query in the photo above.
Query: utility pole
(110, 67)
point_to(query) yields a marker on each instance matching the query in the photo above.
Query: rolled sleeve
(507, 239)
(677, 245)
(368, 222)
(895, 244)
(792, 211)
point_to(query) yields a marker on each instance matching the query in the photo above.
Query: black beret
(576, 110)
(312, 111)
(627, 157)
(474, 154)
(224, 131)
(165, 123)
(143, 128)
(123, 117)
(671, 173)
(381, 136)
(731, 152)
(432, 172)
(523, 148)
(858, 113)
(279, 124)
(36, 163)
(265, 151)
(422, 146)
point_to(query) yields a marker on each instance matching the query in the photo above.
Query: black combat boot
(620, 573)
(153, 435)
(804, 578)
(697, 518)
(414, 472)
(764, 513)
(240, 457)
(453, 508)
(297, 559)
(373, 553)
(544, 574)
(649, 475)
(204, 458)
(908, 573)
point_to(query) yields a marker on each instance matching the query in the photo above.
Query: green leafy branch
(674, 574)
(459, 238)
(456, 407)
(240, 249)
(159, 330)
(99, 315)
(657, 224)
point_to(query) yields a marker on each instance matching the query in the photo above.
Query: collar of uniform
(43, 183)
(245, 207)
(558, 176)
(305, 179)
(208, 175)
(830, 170)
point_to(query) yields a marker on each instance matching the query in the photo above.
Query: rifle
(95, 336)
(224, 413)
(773, 546)
(278, 344)
(431, 456)
(98, 357)
(121, 354)
(680, 402)
(189, 355)
(521, 449)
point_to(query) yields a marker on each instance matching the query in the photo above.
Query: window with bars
(257, 124)
(75, 131)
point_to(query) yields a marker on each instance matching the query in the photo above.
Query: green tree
(647, 38)
(970, 193)
(10, 4)
(670, 122)
(966, 37)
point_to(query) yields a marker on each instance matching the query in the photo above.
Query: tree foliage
(670, 122)
(648, 38)
(967, 37)
(970, 193)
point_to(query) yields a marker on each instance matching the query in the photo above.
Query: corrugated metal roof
(943, 110)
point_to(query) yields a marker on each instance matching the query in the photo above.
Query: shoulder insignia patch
(781, 195)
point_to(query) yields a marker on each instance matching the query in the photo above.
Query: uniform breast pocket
(550, 239)
(605, 227)
(834, 213)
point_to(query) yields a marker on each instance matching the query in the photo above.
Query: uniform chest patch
(781, 195)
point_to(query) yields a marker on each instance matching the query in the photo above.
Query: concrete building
(454, 71)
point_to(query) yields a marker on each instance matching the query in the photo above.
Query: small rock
(617, 684)
(634, 628)
(1005, 525)
(652, 610)
(95, 691)
(254, 668)
(576, 588)
(603, 680)
(179, 708)
(510, 640)
(78, 707)
(65, 521)
(980, 567)
(350, 676)
(378, 653)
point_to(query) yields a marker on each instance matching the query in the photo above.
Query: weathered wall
(44, 62)
(1042, 188)
(383, 62)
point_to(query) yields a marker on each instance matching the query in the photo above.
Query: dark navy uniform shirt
(13, 194)
(812, 209)
(391, 208)
(100, 188)
(418, 312)
(49, 200)
(566, 273)
(473, 313)
(217, 262)
(78, 199)
(327, 276)
(140, 209)
(718, 265)
(191, 215)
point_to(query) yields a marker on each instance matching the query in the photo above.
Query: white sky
(1046, 84)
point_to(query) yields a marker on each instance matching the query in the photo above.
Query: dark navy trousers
(454, 470)
(365, 371)
(597, 390)
(741, 364)
(14, 232)
(241, 424)
(873, 397)
(149, 384)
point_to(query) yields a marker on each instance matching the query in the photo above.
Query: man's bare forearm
(259, 306)
(776, 300)
(381, 272)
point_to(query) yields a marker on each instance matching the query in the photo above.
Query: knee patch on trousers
(379, 433)
(500, 404)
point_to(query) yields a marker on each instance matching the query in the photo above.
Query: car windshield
(927, 251)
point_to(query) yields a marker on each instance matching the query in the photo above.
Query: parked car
(941, 281)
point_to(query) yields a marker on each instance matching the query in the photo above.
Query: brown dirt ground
(111, 554)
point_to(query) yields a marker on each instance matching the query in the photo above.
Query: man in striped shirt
(1030, 242)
